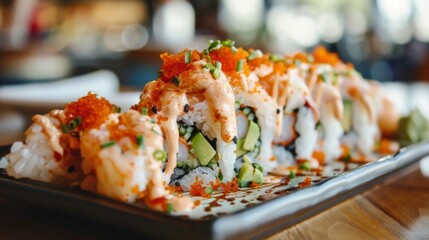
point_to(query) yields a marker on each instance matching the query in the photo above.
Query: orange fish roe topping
(301, 56)
(305, 183)
(254, 185)
(117, 131)
(197, 189)
(321, 55)
(174, 64)
(92, 110)
(230, 187)
(216, 185)
(229, 60)
(257, 62)
(279, 68)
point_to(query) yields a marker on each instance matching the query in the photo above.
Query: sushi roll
(256, 112)
(299, 114)
(193, 103)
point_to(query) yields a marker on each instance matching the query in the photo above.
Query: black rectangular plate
(255, 221)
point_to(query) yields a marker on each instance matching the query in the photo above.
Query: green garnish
(209, 190)
(139, 140)
(153, 121)
(228, 43)
(188, 57)
(239, 65)
(305, 166)
(117, 109)
(214, 45)
(170, 208)
(255, 54)
(108, 144)
(275, 58)
(175, 80)
(159, 155)
(72, 125)
(64, 128)
(291, 174)
(78, 120)
(160, 72)
(145, 111)
(324, 77)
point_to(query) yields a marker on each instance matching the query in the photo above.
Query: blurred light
(395, 10)
(174, 24)
(304, 31)
(421, 20)
(241, 15)
(330, 27)
(357, 47)
(285, 26)
(395, 20)
(356, 22)
(134, 36)
(381, 71)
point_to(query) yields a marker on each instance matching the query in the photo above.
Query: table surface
(397, 208)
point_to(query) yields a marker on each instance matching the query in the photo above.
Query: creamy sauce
(175, 104)
(51, 132)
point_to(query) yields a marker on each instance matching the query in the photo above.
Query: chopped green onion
(234, 49)
(175, 80)
(239, 65)
(214, 45)
(292, 174)
(210, 66)
(206, 52)
(78, 120)
(117, 109)
(216, 73)
(310, 58)
(324, 77)
(218, 65)
(145, 111)
(297, 62)
(275, 58)
(305, 166)
(159, 155)
(108, 144)
(72, 125)
(209, 190)
(220, 176)
(255, 54)
(170, 208)
(64, 128)
(139, 140)
(160, 72)
(228, 43)
(188, 57)
(153, 121)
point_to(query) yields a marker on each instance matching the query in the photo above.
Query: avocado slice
(252, 136)
(346, 120)
(202, 149)
(245, 176)
(248, 173)
(240, 151)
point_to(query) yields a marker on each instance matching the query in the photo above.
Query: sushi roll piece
(44, 155)
(193, 103)
(256, 112)
(324, 85)
(299, 114)
(118, 155)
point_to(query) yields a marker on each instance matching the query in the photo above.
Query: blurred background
(45, 40)
(49, 39)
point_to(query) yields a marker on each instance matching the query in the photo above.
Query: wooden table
(395, 209)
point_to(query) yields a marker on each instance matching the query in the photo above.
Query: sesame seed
(186, 108)
(154, 110)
